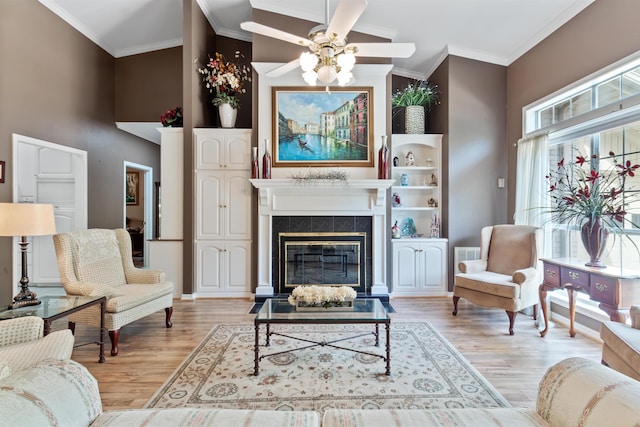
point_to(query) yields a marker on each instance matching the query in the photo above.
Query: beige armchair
(22, 344)
(508, 273)
(98, 262)
(621, 345)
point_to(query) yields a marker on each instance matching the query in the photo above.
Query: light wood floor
(149, 352)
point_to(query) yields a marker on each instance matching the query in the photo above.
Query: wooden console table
(614, 288)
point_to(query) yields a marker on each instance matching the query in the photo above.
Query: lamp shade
(26, 219)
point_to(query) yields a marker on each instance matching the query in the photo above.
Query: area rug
(426, 372)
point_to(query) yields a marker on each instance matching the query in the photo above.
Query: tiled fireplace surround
(317, 224)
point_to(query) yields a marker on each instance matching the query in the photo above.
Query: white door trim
(148, 202)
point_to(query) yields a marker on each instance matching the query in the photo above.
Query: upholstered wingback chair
(621, 344)
(98, 262)
(22, 344)
(508, 273)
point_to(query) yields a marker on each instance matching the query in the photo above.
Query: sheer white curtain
(531, 169)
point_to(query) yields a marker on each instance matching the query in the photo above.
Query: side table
(56, 307)
(614, 288)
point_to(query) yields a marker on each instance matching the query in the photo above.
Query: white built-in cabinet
(223, 212)
(419, 260)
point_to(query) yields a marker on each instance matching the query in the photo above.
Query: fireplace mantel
(364, 197)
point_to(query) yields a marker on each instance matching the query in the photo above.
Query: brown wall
(471, 117)
(148, 84)
(602, 34)
(57, 85)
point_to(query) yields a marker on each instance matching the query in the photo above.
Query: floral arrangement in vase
(587, 194)
(322, 296)
(225, 79)
(172, 118)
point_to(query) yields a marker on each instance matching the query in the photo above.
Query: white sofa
(574, 392)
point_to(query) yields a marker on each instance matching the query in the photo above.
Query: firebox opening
(329, 259)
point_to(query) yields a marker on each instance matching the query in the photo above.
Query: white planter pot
(228, 115)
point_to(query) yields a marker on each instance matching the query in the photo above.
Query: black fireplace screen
(322, 259)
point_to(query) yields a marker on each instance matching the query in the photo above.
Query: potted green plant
(414, 98)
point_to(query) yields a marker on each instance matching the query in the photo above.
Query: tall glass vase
(383, 159)
(594, 238)
(255, 168)
(266, 161)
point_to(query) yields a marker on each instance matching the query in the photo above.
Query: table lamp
(22, 220)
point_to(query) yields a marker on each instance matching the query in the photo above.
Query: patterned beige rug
(426, 372)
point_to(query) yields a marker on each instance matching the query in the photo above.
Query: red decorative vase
(266, 161)
(255, 168)
(383, 159)
(594, 238)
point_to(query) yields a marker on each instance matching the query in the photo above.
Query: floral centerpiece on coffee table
(595, 198)
(225, 79)
(316, 297)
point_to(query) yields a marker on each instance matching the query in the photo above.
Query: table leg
(377, 335)
(542, 291)
(267, 344)
(102, 329)
(256, 349)
(47, 327)
(572, 311)
(388, 345)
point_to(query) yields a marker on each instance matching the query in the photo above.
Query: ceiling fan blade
(264, 30)
(346, 14)
(283, 69)
(382, 50)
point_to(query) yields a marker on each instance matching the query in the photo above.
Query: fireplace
(357, 206)
(322, 258)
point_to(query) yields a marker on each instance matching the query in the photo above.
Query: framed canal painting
(316, 127)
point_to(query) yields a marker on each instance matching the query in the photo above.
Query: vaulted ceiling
(494, 31)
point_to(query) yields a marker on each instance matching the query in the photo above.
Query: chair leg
(512, 319)
(72, 326)
(168, 312)
(455, 304)
(114, 336)
(535, 311)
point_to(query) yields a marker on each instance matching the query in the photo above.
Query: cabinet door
(407, 268)
(238, 268)
(435, 268)
(210, 151)
(237, 205)
(210, 270)
(238, 151)
(210, 205)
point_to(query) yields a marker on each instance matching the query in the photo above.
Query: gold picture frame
(132, 188)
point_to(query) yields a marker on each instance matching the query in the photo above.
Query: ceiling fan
(330, 57)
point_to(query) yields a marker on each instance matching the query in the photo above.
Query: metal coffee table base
(323, 343)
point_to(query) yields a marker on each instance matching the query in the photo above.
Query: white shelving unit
(419, 260)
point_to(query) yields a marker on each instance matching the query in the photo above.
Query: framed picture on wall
(313, 126)
(132, 188)
(2, 168)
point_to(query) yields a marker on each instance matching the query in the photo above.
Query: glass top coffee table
(365, 311)
(56, 307)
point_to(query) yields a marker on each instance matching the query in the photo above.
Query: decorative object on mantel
(255, 167)
(172, 118)
(310, 176)
(226, 80)
(322, 298)
(414, 98)
(583, 193)
(383, 159)
(266, 161)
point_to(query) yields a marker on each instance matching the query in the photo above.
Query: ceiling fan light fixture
(310, 77)
(346, 61)
(308, 61)
(327, 74)
(345, 77)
